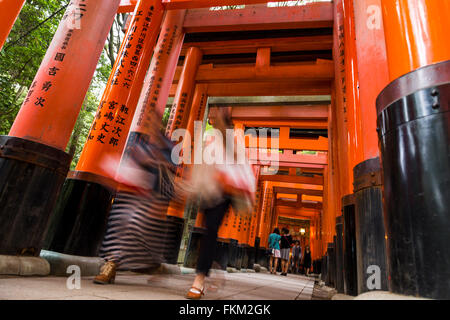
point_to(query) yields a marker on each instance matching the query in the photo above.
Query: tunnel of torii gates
(364, 83)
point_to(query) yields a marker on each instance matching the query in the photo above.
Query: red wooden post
(88, 191)
(9, 11)
(32, 156)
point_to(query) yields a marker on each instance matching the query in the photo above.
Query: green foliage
(165, 118)
(82, 127)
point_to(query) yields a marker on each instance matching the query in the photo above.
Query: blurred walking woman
(137, 234)
(220, 186)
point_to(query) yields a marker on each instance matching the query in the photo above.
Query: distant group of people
(280, 246)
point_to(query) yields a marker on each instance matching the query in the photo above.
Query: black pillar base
(172, 239)
(31, 177)
(339, 254)
(193, 248)
(318, 267)
(80, 218)
(245, 252)
(370, 232)
(257, 241)
(222, 254)
(414, 135)
(349, 247)
(251, 257)
(239, 256)
(263, 258)
(334, 257)
(331, 264)
(324, 270)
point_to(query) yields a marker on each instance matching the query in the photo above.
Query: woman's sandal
(194, 293)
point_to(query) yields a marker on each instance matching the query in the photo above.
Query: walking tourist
(137, 218)
(285, 246)
(296, 256)
(274, 247)
(307, 261)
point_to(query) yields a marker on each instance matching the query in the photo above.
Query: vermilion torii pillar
(82, 209)
(9, 11)
(373, 72)
(256, 210)
(355, 143)
(339, 104)
(178, 118)
(33, 163)
(197, 113)
(414, 138)
(254, 220)
(185, 90)
(236, 234)
(263, 231)
(223, 241)
(157, 84)
(368, 66)
(353, 39)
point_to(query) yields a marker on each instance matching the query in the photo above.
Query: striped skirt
(136, 236)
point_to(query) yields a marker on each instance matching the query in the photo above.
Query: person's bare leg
(271, 264)
(276, 265)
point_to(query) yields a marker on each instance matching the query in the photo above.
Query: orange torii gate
(33, 154)
(90, 178)
(296, 115)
